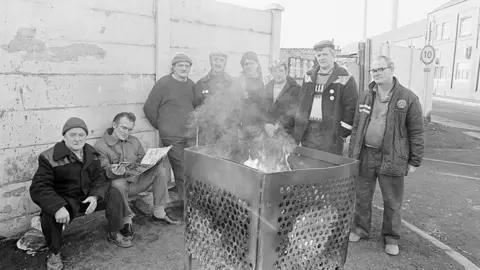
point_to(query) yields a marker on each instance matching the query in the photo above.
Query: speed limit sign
(427, 55)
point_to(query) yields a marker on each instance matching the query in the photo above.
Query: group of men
(384, 122)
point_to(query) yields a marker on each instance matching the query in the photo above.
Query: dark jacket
(338, 105)
(62, 180)
(209, 85)
(248, 95)
(114, 151)
(284, 109)
(403, 142)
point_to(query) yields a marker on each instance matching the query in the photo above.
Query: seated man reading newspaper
(133, 171)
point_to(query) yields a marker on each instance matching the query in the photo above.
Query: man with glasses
(388, 139)
(117, 147)
(327, 103)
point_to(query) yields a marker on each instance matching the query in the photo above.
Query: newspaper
(152, 157)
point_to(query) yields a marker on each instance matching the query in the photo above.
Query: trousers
(158, 176)
(112, 204)
(177, 161)
(392, 188)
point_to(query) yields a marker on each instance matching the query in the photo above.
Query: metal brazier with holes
(241, 218)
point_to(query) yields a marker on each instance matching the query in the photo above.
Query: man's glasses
(379, 70)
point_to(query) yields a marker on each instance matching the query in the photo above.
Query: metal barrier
(241, 218)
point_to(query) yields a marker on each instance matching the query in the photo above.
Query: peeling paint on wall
(37, 50)
(20, 168)
(16, 192)
(7, 209)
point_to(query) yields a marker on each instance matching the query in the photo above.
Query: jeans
(392, 188)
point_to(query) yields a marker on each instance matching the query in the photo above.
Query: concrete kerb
(455, 101)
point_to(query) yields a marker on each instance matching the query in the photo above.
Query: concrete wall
(93, 59)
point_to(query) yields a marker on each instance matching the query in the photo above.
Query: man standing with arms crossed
(388, 139)
(168, 108)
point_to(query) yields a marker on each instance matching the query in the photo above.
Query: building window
(438, 32)
(445, 30)
(442, 31)
(465, 26)
(440, 73)
(462, 71)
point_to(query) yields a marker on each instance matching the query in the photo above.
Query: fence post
(276, 11)
(361, 66)
(162, 38)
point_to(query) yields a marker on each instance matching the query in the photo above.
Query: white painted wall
(93, 59)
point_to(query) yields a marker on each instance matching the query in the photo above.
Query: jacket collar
(224, 76)
(289, 82)
(111, 141)
(396, 85)
(336, 72)
(60, 151)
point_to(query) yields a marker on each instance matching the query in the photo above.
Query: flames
(269, 164)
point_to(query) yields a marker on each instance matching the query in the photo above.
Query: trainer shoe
(392, 249)
(354, 237)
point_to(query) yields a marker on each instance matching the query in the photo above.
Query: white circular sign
(427, 55)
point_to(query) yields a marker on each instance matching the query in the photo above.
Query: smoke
(217, 126)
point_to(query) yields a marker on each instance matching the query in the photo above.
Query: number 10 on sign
(427, 55)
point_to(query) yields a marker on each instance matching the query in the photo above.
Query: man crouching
(70, 182)
(116, 146)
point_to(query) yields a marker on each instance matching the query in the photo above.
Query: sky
(305, 22)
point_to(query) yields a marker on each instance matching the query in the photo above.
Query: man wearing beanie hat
(327, 103)
(249, 90)
(70, 182)
(214, 86)
(168, 108)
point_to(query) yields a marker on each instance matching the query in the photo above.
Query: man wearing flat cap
(168, 108)
(70, 182)
(214, 87)
(281, 97)
(327, 103)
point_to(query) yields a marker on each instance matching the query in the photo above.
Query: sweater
(169, 106)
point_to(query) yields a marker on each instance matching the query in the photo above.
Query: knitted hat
(324, 44)
(219, 54)
(74, 122)
(181, 57)
(278, 63)
(249, 56)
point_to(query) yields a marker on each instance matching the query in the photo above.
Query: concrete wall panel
(32, 55)
(218, 14)
(29, 92)
(25, 128)
(208, 38)
(47, 20)
(16, 201)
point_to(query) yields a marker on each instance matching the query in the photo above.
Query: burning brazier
(262, 205)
